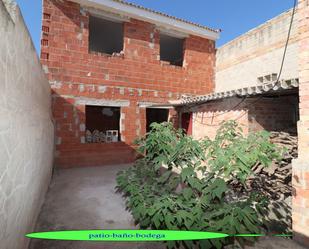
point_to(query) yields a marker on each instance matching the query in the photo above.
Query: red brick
(70, 65)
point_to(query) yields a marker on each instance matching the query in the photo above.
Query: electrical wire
(277, 81)
(287, 40)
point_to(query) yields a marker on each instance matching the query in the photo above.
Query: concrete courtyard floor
(82, 199)
(85, 198)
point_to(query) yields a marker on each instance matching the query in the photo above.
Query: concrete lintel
(161, 20)
(106, 15)
(172, 33)
(102, 102)
(153, 105)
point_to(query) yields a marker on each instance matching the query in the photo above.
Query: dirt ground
(85, 198)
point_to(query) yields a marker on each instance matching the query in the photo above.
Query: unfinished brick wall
(79, 77)
(301, 165)
(272, 114)
(258, 53)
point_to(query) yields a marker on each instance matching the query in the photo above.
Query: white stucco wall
(26, 130)
(258, 53)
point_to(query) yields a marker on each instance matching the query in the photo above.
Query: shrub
(203, 196)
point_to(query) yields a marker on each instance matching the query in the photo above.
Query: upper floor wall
(258, 53)
(68, 58)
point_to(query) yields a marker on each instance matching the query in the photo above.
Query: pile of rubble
(275, 180)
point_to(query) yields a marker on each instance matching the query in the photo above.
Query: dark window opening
(105, 36)
(154, 115)
(102, 124)
(171, 50)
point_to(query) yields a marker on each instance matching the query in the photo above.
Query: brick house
(109, 64)
(88, 80)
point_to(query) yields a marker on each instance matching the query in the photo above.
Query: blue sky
(234, 17)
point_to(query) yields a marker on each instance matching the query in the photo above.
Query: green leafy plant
(166, 146)
(185, 184)
(232, 155)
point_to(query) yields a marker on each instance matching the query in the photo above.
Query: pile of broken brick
(275, 181)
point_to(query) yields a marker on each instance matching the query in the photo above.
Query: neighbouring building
(246, 89)
(255, 57)
(110, 63)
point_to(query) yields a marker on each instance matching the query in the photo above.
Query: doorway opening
(155, 115)
(186, 122)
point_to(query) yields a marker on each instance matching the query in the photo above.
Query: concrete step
(93, 146)
(94, 158)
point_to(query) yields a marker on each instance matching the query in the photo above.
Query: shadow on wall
(74, 148)
(82, 131)
(276, 113)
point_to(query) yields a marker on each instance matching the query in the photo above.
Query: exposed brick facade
(80, 77)
(301, 165)
(254, 114)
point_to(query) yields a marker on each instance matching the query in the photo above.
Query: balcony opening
(102, 124)
(105, 36)
(171, 49)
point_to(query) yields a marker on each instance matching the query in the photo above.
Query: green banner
(137, 235)
(126, 235)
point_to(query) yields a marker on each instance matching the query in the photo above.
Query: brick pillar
(301, 165)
